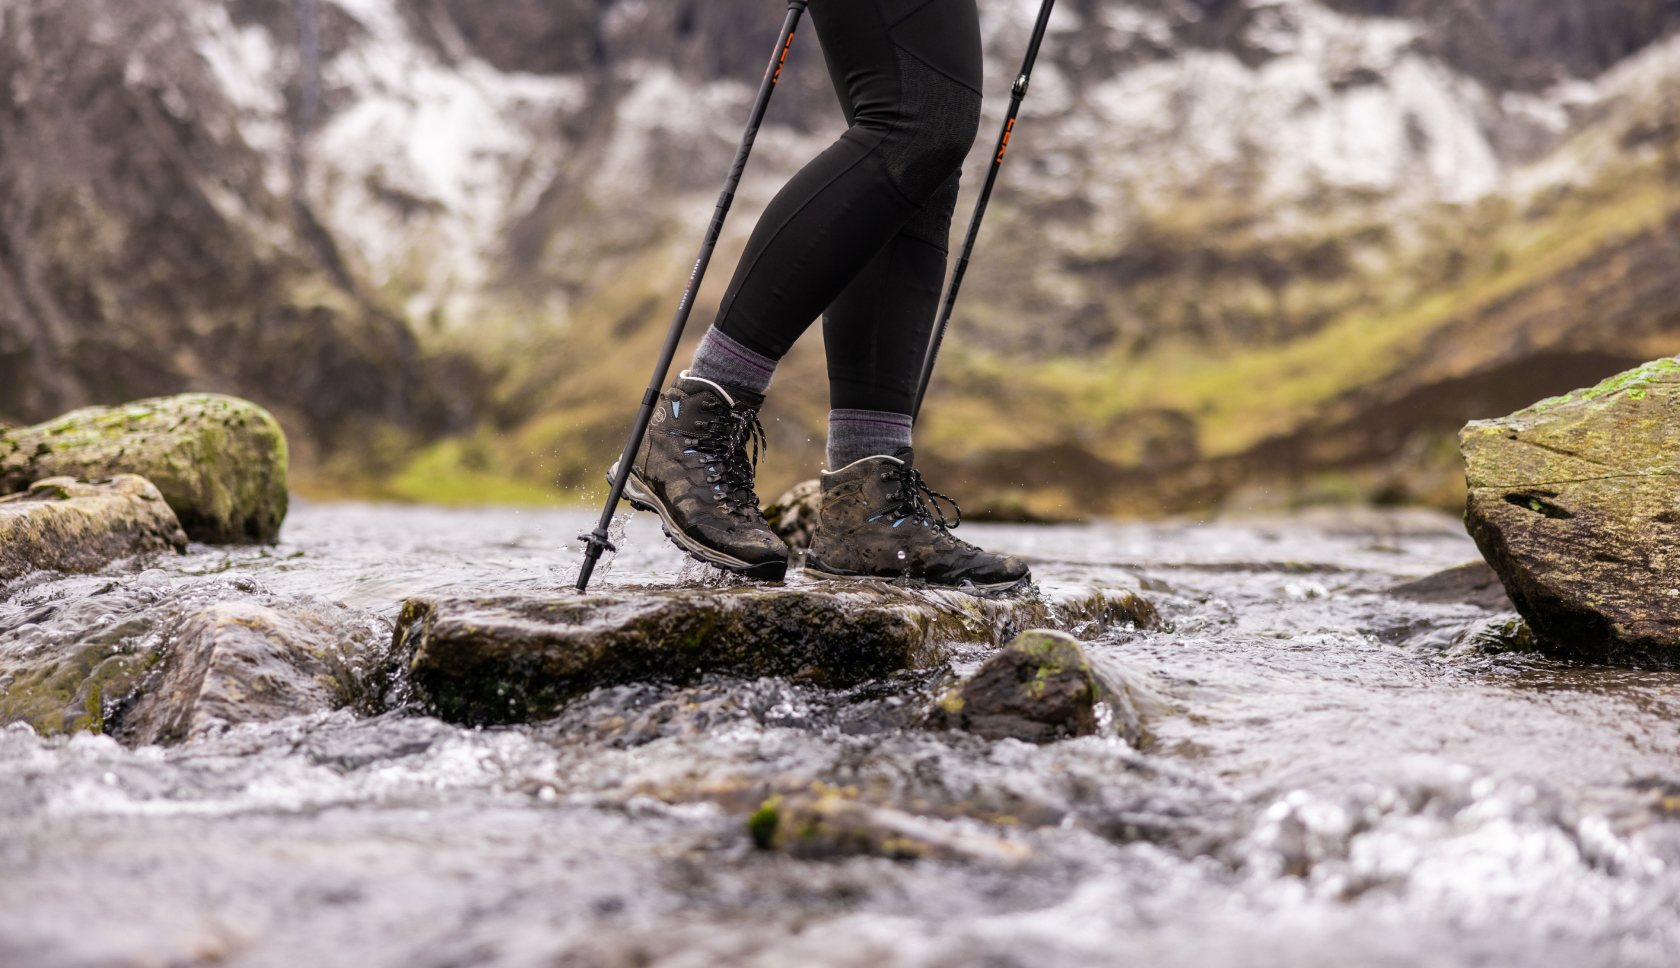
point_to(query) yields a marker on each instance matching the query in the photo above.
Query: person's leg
(877, 332)
(908, 76)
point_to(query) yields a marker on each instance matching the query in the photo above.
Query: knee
(938, 119)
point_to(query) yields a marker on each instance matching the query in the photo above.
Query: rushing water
(1334, 777)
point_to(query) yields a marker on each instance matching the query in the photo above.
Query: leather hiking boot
(878, 519)
(693, 471)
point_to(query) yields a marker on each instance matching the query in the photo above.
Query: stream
(1332, 777)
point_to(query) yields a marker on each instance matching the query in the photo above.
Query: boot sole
(642, 499)
(813, 562)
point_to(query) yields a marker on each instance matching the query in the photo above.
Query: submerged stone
(219, 461)
(241, 662)
(61, 524)
(826, 822)
(1575, 502)
(1473, 583)
(515, 658)
(146, 662)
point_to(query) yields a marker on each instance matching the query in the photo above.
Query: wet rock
(241, 662)
(1041, 687)
(220, 462)
(60, 524)
(515, 658)
(1574, 503)
(826, 822)
(1474, 583)
(794, 515)
(147, 662)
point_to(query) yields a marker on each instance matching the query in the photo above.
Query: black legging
(862, 230)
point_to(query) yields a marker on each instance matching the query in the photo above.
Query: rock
(1039, 688)
(1575, 502)
(794, 515)
(60, 524)
(827, 822)
(516, 658)
(1474, 583)
(219, 461)
(145, 663)
(241, 662)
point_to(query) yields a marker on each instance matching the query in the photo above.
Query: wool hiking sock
(856, 434)
(722, 360)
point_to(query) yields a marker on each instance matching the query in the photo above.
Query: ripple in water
(1332, 777)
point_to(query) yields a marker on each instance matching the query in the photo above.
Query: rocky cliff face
(1244, 251)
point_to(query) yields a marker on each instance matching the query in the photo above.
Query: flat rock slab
(517, 658)
(1575, 502)
(219, 461)
(60, 524)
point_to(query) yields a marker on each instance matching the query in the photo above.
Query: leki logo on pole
(1004, 145)
(776, 75)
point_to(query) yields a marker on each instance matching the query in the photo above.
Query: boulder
(794, 515)
(220, 462)
(515, 658)
(61, 524)
(1042, 687)
(1575, 502)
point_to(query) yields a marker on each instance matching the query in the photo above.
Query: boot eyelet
(901, 554)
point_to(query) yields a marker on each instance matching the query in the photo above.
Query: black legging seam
(936, 69)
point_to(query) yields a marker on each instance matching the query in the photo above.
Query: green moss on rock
(1573, 503)
(219, 461)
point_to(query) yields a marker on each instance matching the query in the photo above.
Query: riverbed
(1331, 776)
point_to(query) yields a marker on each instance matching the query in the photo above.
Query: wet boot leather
(876, 520)
(694, 472)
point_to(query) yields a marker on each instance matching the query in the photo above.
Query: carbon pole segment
(597, 541)
(1017, 94)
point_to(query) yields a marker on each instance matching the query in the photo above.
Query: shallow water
(1333, 777)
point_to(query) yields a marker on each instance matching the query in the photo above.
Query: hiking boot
(874, 521)
(694, 472)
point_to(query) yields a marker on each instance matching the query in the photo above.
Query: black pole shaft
(1017, 93)
(597, 541)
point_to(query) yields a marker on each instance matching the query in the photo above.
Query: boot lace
(914, 499)
(725, 442)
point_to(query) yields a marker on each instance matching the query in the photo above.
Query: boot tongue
(907, 455)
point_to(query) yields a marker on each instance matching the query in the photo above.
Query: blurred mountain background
(1245, 254)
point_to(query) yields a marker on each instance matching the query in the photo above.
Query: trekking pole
(597, 541)
(1017, 94)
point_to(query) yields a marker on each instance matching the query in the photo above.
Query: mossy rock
(61, 524)
(1039, 688)
(517, 658)
(219, 461)
(1575, 502)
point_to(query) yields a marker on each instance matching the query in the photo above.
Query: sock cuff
(855, 434)
(738, 353)
(871, 418)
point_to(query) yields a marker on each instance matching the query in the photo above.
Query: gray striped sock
(856, 434)
(722, 360)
